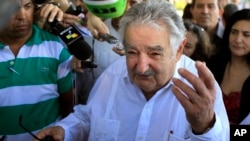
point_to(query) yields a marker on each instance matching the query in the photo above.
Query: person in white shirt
(153, 92)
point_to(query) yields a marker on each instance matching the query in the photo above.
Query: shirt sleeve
(76, 125)
(216, 133)
(220, 131)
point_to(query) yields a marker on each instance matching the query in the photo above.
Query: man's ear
(221, 11)
(180, 49)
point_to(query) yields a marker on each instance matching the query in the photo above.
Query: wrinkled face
(150, 58)
(206, 13)
(20, 23)
(190, 46)
(239, 38)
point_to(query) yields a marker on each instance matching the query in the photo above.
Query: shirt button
(12, 62)
(140, 138)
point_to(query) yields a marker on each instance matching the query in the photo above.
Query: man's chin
(204, 24)
(146, 87)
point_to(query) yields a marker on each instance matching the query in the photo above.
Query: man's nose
(20, 13)
(142, 64)
(205, 9)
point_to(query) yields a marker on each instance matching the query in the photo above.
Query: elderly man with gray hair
(153, 92)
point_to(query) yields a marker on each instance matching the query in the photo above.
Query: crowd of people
(173, 77)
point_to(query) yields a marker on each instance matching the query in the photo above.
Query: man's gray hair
(154, 12)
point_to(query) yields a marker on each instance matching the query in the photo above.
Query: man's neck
(212, 32)
(14, 43)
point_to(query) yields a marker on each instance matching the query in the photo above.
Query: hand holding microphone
(74, 41)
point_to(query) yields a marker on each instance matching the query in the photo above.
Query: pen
(13, 70)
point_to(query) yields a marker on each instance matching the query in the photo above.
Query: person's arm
(96, 25)
(66, 103)
(74, 127)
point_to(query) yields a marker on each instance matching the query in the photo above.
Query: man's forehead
(23, 2)
(206, 1)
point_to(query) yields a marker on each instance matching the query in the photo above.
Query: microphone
(106, 8)
(71, 36)
(80, 49)
(73, 40)
(40, 1)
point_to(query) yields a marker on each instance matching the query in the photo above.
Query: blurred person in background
(198, 46)
(187, 14)
(207, 13)
(242, 4)
(232, 68)
(229, 9)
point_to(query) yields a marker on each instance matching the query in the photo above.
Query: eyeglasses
(46, 138)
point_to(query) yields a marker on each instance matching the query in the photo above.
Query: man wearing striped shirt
(35, 77)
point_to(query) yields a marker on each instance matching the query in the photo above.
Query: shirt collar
(220, 29)
(32, 37)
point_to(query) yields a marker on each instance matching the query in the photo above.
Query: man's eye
(155, 54)
(131, 52)
(28, 6)
(199, 6)
(246, 35)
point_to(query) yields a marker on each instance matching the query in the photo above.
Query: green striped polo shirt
(31, 82)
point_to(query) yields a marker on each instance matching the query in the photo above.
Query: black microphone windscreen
(80, 49)
(40, 1)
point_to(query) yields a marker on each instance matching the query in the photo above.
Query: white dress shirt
(118, 111)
